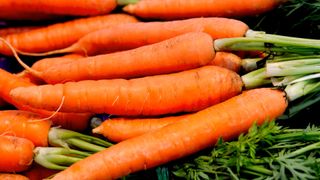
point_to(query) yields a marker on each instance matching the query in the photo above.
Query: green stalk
(255, 79)
(66, 138)
(297, 90)
(303, 150)
(126, 2)
(294, 67)
(302, 135)
(85, 145)
(307, 102)
(56, 157)
(284, 81)
(262, 34)
(259, 169)
(250, 64)
(257, 40)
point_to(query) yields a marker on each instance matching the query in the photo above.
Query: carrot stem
(255, 78)
(299, 89)
(66, 138)
(269, 43)
(57, 158)
(303, 150)
(294, 67)
(85, 145)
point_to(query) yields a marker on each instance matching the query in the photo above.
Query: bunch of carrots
(174, 87)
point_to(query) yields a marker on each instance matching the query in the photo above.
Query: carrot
(12, 15)
(15, 30)
(5, 176)
(25, 125)
(172, 55)
(16, 154)
(119, 129)
(60, 35)
(132, 35)
(199, 131)
(185, 91)
(26, 76)
(76, 8)
(37, 172)
(169, 56)
(73, 121)
(178, 9)
(46, 63)
(227, 60)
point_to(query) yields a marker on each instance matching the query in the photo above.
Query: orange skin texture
(197, 132)
(72, 121)
(186, 91)
(60, 35)
(5, 176)
(120, 129)
(25, 125)
(15, 30)
(179, 9)
(16, 154)
(188, 51)
(43, 64)
(46, 63)
(75, 7)
(132, 35)
(227, 60)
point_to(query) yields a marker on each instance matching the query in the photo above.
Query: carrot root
(201, 130)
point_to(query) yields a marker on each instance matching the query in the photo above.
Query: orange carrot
(227, 60)
(199, 131)
(12, 15)
(16, 154)
(25, 125)
(188, 51)
(77, 8)
(178, 9)
(72, 121)
(37, 172)
(119, 129)
(15, 30)
(46, 63)
(185, 91)
(26, 76)
(60, 35)
(4, 176)
(132, 35)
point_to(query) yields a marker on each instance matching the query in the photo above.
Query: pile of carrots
(151, 64)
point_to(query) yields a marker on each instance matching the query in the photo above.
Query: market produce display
(150, 89)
